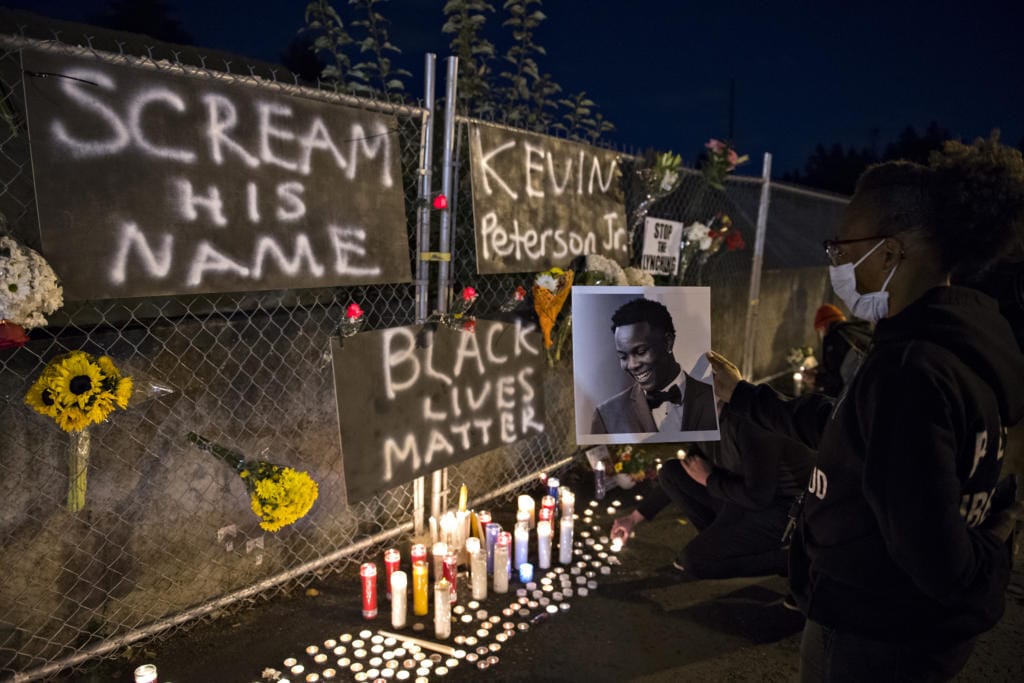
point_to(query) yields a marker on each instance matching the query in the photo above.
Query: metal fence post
(755, 268)
(423, 243)
(439, 494)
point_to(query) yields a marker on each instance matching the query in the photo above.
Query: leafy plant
(465, 20)
(376, 76)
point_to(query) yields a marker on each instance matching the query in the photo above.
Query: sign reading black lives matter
(539, 201)
(151, 183)
(435, 398)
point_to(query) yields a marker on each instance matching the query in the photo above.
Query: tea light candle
(312, 650)
(399, 589)
(543, 545)
(525, 575)
(419, 589)
(565, 541)
(320, 658)
(368, 574)
(297, 669)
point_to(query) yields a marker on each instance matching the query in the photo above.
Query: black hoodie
(889, 544)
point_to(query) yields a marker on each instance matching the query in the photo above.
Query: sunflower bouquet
(278, 495)
(77, 390)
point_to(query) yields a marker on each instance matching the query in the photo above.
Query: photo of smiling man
(640, 371)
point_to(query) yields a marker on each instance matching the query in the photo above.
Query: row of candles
(476, 634)
(491, 552)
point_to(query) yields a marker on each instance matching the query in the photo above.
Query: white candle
(399, 584)
(448, 526)
(501, 562)
(477, 568)
(522, 543)
(442, 609)
(565, 541)
(544, 544)
(433, 529)
(567, 500)
(527, 504)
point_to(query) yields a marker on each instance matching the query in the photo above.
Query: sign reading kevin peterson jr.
(539, 201)
(412, 400)
(153, 182)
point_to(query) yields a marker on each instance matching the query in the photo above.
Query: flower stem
(78, 469)
(233, 458)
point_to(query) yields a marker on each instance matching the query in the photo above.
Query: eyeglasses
(834, 248)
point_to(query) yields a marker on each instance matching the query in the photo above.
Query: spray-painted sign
(435, 397)
(539, 201)
(152, 182)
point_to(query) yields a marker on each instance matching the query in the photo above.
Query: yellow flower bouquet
(550, 290)
(77, 390)
(278, 495)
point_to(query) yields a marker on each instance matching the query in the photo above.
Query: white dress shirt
(669, 416)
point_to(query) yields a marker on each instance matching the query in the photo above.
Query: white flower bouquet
(29, 289)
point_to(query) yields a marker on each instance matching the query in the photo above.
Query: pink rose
(468, 294)
(732, 158)
(716, 146)
(353, 312)
(520, 293)
(469, 324)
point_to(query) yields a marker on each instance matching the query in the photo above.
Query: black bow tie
(656, 398)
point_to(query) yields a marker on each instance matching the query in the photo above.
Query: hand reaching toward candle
(698, 468)
(622, 527)
(725, 374)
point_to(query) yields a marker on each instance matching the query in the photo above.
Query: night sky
(804, 72)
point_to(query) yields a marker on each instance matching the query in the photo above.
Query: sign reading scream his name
(408, 405)
(152, 183)
(539, 201)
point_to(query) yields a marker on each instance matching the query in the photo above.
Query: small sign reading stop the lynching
(661, 246)
(412, 400)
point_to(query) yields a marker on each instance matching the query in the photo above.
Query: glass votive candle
(525, 573)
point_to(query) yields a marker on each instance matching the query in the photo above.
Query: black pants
(830, 656)
(732, 540)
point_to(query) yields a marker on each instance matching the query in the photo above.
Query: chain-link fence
(166, 536)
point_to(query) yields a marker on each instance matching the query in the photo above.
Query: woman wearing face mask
(900, 556)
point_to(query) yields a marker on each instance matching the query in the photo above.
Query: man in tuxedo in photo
(662, 397)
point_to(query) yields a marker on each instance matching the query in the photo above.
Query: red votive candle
(391, 560)
(418, 553)
(451, 572)
(548, 503)
(368, 573)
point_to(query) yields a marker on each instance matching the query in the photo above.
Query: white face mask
(872, 306)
